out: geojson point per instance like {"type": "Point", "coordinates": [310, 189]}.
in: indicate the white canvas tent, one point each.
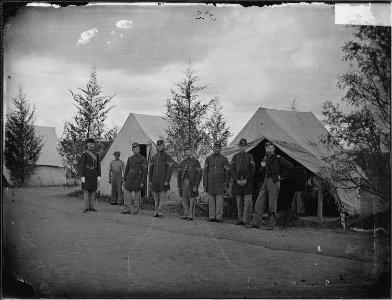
{"type": "Point", "coordinates": [50, 170]}
{"type": "Point", "coordinates": [145, 130]}
{"type": "Point", "coordinates": [297, 134]}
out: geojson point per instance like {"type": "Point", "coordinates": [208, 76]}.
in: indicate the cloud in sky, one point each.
{"type": "Point", "coordinates": [124, 24]}
{"type": "Point", "coordinates": [86, 36]}
{"type": "Point", "coordinates": [249, 57]}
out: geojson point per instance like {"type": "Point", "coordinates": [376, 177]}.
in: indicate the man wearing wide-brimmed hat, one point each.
{"type": "Point", "coordinates": [90, 173]}
{"type": "Point", "coordinates": [216, 176]}
{"type": "Point", "coordinates": [116, 170]}
{"type": "Point", "coordinates": [135, 177]}
{"type": "Point", "coordinates": [188, 179]}
{"type": "Point", "coordinates": [276, 168]}
{"type": "Point", "coordinates": [242, 169]}
{"type": "Point", "coordinates": [161, 169]}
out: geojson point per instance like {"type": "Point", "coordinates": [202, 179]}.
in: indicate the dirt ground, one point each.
{"type": "Point", "coordinates": [63, 253]}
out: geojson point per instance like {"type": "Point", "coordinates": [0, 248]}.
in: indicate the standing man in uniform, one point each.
{"type": "Point", "coordinates": [216, 181]}
{"type": "Point", "coordinates": [276, 168]}
{"type": "Point", "coordinates": [90, 173]}
{"type": "Point", "coordinates": [188, 178]}
{"type": "Point", "coordinates": [116, 170]}
{"type": "Point", "coordinates": [161, 169]}
{"type": "Point", "coordinates": [242, 169]}
{"type": "Point", "coordinates": [135, 176]}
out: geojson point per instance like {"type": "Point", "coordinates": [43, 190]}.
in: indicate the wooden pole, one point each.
{"type": "Point", "coordinates": [320, 200]}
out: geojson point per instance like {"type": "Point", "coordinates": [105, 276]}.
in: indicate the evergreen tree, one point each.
{"type": "Point", "coordinates": [186, 116]}
{"type": "Point", "coordinates": [22, 145]}
{"type": "Point", "coordinates": [216, 125]}
{"type": "Point", "coordinates": [92, 111]}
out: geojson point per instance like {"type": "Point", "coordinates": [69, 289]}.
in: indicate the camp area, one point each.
{"type": "Point", "coordinates": [50, 170]}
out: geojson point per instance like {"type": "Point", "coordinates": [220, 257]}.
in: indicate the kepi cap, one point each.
{"type": "Point", "coordinates": [90, 140]}
{"type": "Point", "coordinates": [160, 142]}
{"type": "Point", "coordinates": [135, 145]}
{"type": "Point", "coordinates": [116, 153]}
{"type": "Point", "coordinates": [268, 143]}
{"type": "Point", "coordinates": [243, 142]}
{"type": "Point", "coordinates": [217, 144]}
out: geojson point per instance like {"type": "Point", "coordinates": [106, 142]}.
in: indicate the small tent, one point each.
{"type": "Point", "coordinates": [50, 170]}
{"type": "Point", "coordinates": [145, 130]}
{"type": "Point", "coordinates": [297, 135]}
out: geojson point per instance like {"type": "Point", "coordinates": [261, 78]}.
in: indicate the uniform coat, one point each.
{"type": "Point", "coordinates": [161, 169]}
{"type": "Point", "coordinates": [192, 167]}
{"type": "Point", "coordinates": [242, 167]}
{"type": "Point", "coordinates": [216, 174]}
{"type": "Point", "coordinates": [135, 172]}
{"type": "Point", "coordinates": [276, 167]}
{"type": "Point", "coordinates": [90, 169]}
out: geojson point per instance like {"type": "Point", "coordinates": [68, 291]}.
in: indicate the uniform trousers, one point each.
{"type": "Point", "coordinates": [89, 199]}
{"type": "Point", "coordinates": [268, 189]}
{"type": "Point", "coordinates": [215, 206]}
{"type": "Point", "coordinates": [187, 201]}
{"type": "Point", "coordinates": [116, 180]}
{"type": "Point", "coordinates": [159, 199]}
{"type": "Point", "coordinates": [132, 201]}
{"type": "Point", "coordinates": [244, 208]}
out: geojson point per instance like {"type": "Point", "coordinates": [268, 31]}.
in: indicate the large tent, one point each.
{"type": "Point", "coordinates": [50, 170]}
{"type": "Point", "coordinates": [145, 130]}
{"type": "Point", "coordinates": [298, 135]}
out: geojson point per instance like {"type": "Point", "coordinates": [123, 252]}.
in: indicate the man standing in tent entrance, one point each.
{"type": "Point", "coordinates": [116, 170]}
{"type": "Point", "coordinates": [216, 181]}
{"type": "Point", "coordinates": [161, 168]}
{"type": "Point", "coordinates": [135, 176]}
{"type": "Point", "coordinates": [242, 169]}
{"type": "Point", "coordinates": [90, 173]}
{"type": "Point", "coordinates": [188, 178]}
{"type": "Point", "coordinates": [276, 167]}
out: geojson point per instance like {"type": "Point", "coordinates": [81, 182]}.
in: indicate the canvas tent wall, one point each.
{"type": "Point", "coordinates": [297, 134]}
{"type": "Point", "coordinates": [50, 170]}
{"type": "Point", "coordinates": [145, 130]}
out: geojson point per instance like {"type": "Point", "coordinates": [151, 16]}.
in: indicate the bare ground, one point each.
{"type": "Point", "coordinates": [63, 253]}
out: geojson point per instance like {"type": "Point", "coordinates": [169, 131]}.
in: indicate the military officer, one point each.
{"type": "Point", "coordinates": [135, 177]}
{"type": "Point", "coordinates": [276, 168]}
{"type": "Point", "coordinates": [161, 169]}
{"type": "Point", "coordinates": [242, 169]}
{"type": "Point", "coordinates": [116, 170]}
{"type": "Point", "coordinates": [90, 173]}
{"type": "Point", "coordinates": [188, 178]}
{"type": "Point", "coordinates": [216, 176]}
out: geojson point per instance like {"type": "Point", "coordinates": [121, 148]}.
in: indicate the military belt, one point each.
{"type": "Point", "coordinates": [90, 167]}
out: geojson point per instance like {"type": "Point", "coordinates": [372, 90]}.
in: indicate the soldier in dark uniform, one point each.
{"type": "Point", "coordinates": [90, 173]}
{"type": "Point", "coordinates": [276, 168]}
{"type": "Point", "coordinates": [135, 176]}
{"type": "Point", "coordinates": [161, 169]}
{"type": "Point", "coordinates": [188, 178]}
{"type": "Point", "coordinates": [216, 176]}
{"type": "Point", "coordinates": [242, 169]}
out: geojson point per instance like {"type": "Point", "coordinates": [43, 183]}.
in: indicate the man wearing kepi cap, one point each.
{"type": "Point", "coordinates": [216, 181]}
{"type": "Point", "coordinates": [188, 178]}
{"type": "Point", "coordinates": [161, 169]}
{"type": "Point", "coordinates": [90, 173]}
{"type": "Point", "coordinates": [135, 176]}
{"type": "Point", "coordinates": [116, 170]}
{"type": "Point", "coordinates": [242, 169]}
{"type": "Point", "coordinates": [276, 167]}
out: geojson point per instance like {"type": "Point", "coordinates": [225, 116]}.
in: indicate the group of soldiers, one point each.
{"type": "Point", "coordinates": [216, 176]}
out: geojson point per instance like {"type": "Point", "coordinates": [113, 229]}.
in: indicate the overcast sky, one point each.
{"type": "Point", "coordinates": [249, 57]}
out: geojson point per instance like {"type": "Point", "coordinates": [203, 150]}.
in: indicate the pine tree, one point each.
{"type": "Point", "coordinates": [216, 125]}
{"type": "Point", "coordinates": [92, 111]}
{"type": "Point", "coordinates": [22, 145]}
{"type": "Point", "coordinates": [186, 116]}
